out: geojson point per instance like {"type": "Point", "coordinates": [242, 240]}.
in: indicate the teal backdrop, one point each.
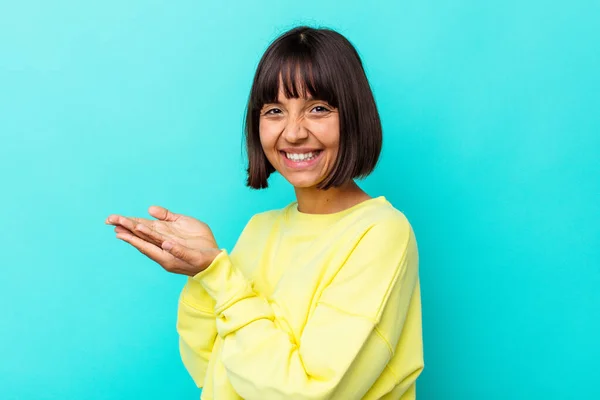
{"type": "Point", "coordinates": [492, 144]}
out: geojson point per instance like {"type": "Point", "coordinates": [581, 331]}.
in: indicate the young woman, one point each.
{"type": "Point", "coordinates": [319, 299]}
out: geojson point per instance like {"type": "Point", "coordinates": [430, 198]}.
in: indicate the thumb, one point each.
{"type": "Point", "coordinates": [163, 214]}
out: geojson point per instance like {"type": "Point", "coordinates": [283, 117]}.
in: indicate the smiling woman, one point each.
{"type": "Point", "coordinates": [319, 299]}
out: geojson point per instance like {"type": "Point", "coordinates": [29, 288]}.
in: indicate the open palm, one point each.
{"type": "Point", "coordinates": [179, 243]}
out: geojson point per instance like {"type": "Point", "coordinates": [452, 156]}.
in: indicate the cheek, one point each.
{"type": "Point", "coordinates": [268, 142]}
{"type": "Point", "coordinates": [268, 135]}
{"type": "Point", "coordinates": [327, 132]}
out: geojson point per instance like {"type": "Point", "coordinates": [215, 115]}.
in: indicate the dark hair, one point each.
{"type": "Point", "coordinates": [323, 63]}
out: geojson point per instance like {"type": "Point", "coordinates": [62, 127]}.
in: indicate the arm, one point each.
{"type": "Point", "coordinates": [197, 329]}
{"type": "Point", "coordinates": [263, 362]}
{"type": "Point", "coordinates": [196, 325]}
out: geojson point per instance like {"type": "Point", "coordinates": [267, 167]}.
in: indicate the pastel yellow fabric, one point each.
{"type": "Point", "coordinates": [308, 307]}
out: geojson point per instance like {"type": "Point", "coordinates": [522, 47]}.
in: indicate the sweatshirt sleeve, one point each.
{"type": "Point", "coordinates": [196, 326]}
{"type": "Point", "coordinates": [264, 362]}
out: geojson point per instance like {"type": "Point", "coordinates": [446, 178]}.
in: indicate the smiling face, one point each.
{"type": "Point", "coordinates": [300, 138]}
{"type": "Point", "coordinates": [310, 97]}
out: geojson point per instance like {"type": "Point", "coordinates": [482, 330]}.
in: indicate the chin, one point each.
{"type": "Point", "coordinates": [303, 183]}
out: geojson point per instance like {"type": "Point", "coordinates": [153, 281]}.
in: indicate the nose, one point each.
{"type": "Point", "coordinates": [294, 131]}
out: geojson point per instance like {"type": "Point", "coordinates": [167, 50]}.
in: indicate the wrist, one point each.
{"type": "Point", "coordinates": [211, 254]}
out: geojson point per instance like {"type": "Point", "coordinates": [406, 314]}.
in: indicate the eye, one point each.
{"type": "Point", "coordinates": [273, 111]}
{"type": "Point", "coordinates": [320, 109]}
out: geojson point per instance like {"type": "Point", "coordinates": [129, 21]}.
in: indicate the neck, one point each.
{"type": "Point", "coordinates": [315, 201]}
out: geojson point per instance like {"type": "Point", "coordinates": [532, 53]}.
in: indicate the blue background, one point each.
{"type": "Point", "coordinates": [492, 144]}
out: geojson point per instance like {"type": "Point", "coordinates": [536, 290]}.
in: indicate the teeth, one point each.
{"type": "Point", "coordinates": [301, 157]}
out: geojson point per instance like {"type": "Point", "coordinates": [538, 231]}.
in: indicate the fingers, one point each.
{"type": "Point", "coordinates": [137, 226]}
{"type": "Point", "coordinates": [200, 258]}
{"type": "Point", "coordinates": [153, 252]}
{"type": "Point", "coordinates": [120, 229]}
{"type": "Point", "coordinates": [142, 232]}
{"type": "Point", "coordinates": [183, 253]}
{"type": "Point", "coordinates": [166, 260]}
{"type": "Point", "coordinates": [163, 214]}
{"type": "Point", "coordinates": [114, 219]}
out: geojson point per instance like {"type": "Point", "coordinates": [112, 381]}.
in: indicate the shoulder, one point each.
{"type": "Point", "coordinates": [385, 222]}
{"type": "Point", "coordinates": [266, 219]}
{"type": "Point", "coordinates": [269, 216]}
{"type": "Point", "coordinates": [384, 239]}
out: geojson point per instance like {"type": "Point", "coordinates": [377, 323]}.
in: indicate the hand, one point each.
{"type": "Point", "coordinates": [180, 244]}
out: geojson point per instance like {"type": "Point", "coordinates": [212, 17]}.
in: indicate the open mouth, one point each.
{"type": "Point", "coordinates": [301, 160]}
{"type": "Point", "coordinates": [302, 157]}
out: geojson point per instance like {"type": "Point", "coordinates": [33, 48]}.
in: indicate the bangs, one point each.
{"type": "Point", "coordinates": [302, 73]}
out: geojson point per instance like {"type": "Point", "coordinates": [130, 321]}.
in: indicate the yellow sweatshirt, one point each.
{"type": "Point", "coordinates": [308, 306]}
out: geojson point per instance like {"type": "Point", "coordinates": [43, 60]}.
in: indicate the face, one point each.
{"type": "Point", "coordinates": [300, 138]}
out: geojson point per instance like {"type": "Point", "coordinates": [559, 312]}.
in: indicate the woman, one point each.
{"type": "Point", "coordinates": [319, 299]}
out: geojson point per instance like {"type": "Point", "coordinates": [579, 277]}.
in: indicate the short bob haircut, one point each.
{"type": "Point", "coordinates": [323, 64]}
